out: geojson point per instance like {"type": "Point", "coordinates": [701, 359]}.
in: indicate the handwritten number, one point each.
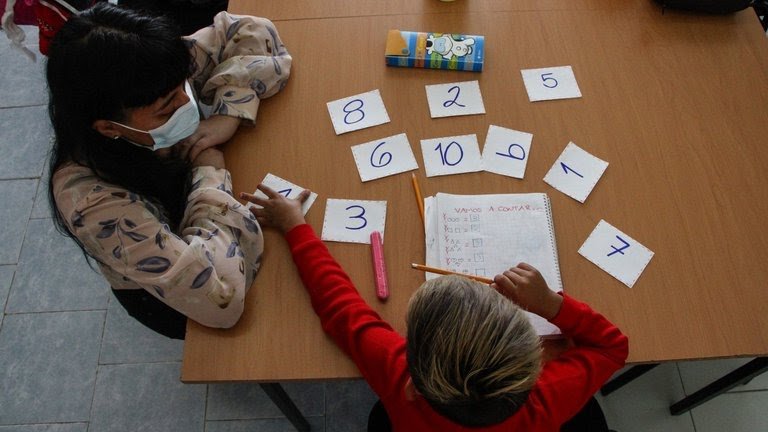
{"type": "Point", "coordinates": [349, 111]}
{"type": "Point", "coordinates": [509, 152]}
{"type": "Point", "coordinates": [620, 249]}
{"type": "Point", "coordinates": [566, 168]}
{"type": "Point", "coordinates": [550, 79]}
{"type": "Point", "coordinates": [444, 153]}
{"type": "Point", "coordinates": [452, 102]}
{"type": "Point", "coordinates": [285, 192]}
{"type": "Point", "coordinates": [382, 157]}
{"type": "Point", "coordinates": [357, 216]}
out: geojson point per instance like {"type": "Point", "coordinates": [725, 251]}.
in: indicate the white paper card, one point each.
{"type": "Point", "coordinates": [455, 99]}
{"type": "Point", "coordinates": [575, 172]}
{"type": "Point", "coordinates": [384, 157]}
{"type": "Point", "coordinates": [358, 112]}
{"type": "Point", "coordinates": [353, 221]}
{"type": "Point", "coordinates": [551, 83]}
{"type": "Point", "coordinates": [506, 151]}
{"type": "Point", "coordinates": [451, 155]}
{"type": "Point", "coordinates": [618, 254]}
{"type": "Point", "coordinates": [285, 188]}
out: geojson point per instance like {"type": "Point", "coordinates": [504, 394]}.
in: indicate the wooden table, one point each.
{"type": "Point", "coordinates": [676, 103]}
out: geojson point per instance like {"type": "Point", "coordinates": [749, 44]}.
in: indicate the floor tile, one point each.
{"type": "Point", "coordinates": [6, 277]}
{"type": "Point", "coordinates": [48, 366]}
{"type": "Point", "coordinates": [53, 275]}
{"type": "Point", "coordinates": [146, 397]}
{"type": "Point", "coordinates": [266, 425]}
{"type": "Point", "coordinates": [697, 374]}
{"type": "Point", "coordinates": [128, 341]}
{"type": "Point", "coordinates": [347, 405]}
{"type": "Point", "coordinates": [51, 427]}
{"type": "Point", "coordinates": [22, 81]}
{"type": "Point", "coordinates": [25, 138]}
{"type": "Point", "coordinates": [248, 400]}
{"type": "Point", "coordinates": [643, 404]}
{"type": "Point", "coordinates": [733, 412]}
{"type": "Point", "coordinates": [41, 209]}
{"type": "Point", "coordinates": [16, 197]}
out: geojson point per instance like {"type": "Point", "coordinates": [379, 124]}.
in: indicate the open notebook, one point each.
{"type": "Point", "coordinates": [487, 234]}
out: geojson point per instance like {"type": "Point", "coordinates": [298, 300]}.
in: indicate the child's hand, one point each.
{"type": "Point", "coordinates": [277, 211]}
{"type": "Point", "coordinates": [525, 286]}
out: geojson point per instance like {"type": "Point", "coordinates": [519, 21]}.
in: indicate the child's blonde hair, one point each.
{"type": "Point", "coordinates": [472, 353]}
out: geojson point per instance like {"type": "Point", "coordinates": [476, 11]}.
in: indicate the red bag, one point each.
{"type": "Point", "coordinates": [49, 15]}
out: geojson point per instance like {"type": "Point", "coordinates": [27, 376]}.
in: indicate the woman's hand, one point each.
{"type": "Point", "coordinates": [525, 286]}
{"type": "Point", "coordinates": [212, 131]}
{"type": "Point", "coordinates": [277, 211]}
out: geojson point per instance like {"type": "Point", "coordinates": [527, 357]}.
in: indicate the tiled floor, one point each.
{"type": "Point", "coordinates": [71, 360]}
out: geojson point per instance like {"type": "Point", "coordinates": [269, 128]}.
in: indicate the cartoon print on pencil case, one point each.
{"type": "Point", "coordinates": [448, 46]}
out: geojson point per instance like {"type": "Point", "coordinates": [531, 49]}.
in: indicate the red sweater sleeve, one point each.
{"type": "Point", "coordinates": [568, 381]}
{"type": "Point", "coordinates": [356, 328]}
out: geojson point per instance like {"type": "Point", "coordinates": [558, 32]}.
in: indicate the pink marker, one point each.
{"type": "Point", "coordinates": [379, 268]}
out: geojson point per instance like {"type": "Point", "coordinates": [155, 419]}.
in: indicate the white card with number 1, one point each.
{"type": "Point", "coordinates": [576, 172]}
{"type": "Point", "coordinates": [618, 254]}
{"type": "Point", "coordinates": [285, 188]}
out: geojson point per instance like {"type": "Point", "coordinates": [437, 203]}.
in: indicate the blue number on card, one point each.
{"type": "Point", "coordinates": [382, 157]}
{"type": "Point", "coordinates": [285, 192]}
{"type": "Point", "coordinates": [619, 249]}
{"type": "Point", "coordinates": [566, 168]}
{"type": "Point", "coordinates": [444, 153]}
{"type": "Point", "coordinates": [452, 102]}
{"type": "Point", "coordinates": [359, 110]}
{"type": "Point", "coordinates": [509, 152]}
{"type": "Point", "coordinates": [549, 78]}
{"type": "Point", "coordinates": [357, 216]}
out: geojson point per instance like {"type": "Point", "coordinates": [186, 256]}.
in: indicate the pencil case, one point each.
{"type": "Point", "coordinates": [435, 50]}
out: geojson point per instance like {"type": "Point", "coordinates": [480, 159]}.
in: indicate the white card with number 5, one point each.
{"type": "Point", "coordinates": [353, 221]}
{"type": "Point", "coordinates": [551, 83]}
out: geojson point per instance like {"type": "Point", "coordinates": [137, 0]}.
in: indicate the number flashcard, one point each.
{"type": "Point", "coordinates": [575, 172]}
{"type": "Point", "coordinates": [451, 155]}
{"type": "Point", "coordinates": [506, 151]}
{"type": "Point", "coordinates": [353, 221]}
{"type": "Point", "coordinates": [617, 253]}
{"type": "Point", "coordinates": [455, 99]}
{"type": "Point", "coordinates": [551, 83]}
{"type": "Point", "coordinates": [384, 157]}
{"type": "Point", "coordinates": [358, 112]}
{"type": "Point", "coordinates": [285, 188]}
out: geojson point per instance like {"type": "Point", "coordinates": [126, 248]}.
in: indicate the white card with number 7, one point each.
{"type": "Point", "coordinates": [618, 254]}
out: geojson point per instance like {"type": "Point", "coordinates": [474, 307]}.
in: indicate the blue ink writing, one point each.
{"type": "Point", "coordinates": [566, 168]}
{"type": "Point", "coordinates": [552, 81]}
{"type": "Point", "coordinates": [285, 192]}
{"type": "Point", "coordinates": [452, 102]}
{"type": "Point", "coordinates": [444, 153]}
{"type": "Point", "coordinates": [382, 157]}
{"type": "Point", "coordinates": [620, 249]}
{"type": "Point", "coordinates": [509, 152]}
{"type": "Point", "coordinates": [349, 110]}
{"type": "Point", "coordinates": [364, 221]}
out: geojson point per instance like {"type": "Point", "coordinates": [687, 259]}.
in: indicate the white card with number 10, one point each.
{"type": "Point", "coordinates": [551, 83]}
{"type": "Point", "coordinates": [451, 155]}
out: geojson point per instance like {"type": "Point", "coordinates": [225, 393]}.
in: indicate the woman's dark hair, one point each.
{"type": "Point", "coordinates": [101, 63]}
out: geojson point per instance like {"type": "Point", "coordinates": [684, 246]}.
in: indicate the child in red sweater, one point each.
{"type": "Point", "coordinates": [471, 358]}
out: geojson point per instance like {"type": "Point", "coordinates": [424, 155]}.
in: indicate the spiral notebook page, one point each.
{"type": "Point", "coordinates": [487, 234]}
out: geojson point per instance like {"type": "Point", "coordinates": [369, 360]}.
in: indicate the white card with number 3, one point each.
{"type": "Point", "coordinates": [353, 221]}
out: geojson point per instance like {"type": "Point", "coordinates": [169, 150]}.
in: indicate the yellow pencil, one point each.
{"type": "Point", "coordinates": [419, 200]}
{"type": "Point", "coordinates": [448, 272]}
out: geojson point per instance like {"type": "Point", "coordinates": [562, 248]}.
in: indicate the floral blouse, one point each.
{"type": "Point", "coordinates": [206, 271]}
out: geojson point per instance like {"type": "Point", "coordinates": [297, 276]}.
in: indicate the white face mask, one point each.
{"type": "Point", "coordinates": [183, 123]}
